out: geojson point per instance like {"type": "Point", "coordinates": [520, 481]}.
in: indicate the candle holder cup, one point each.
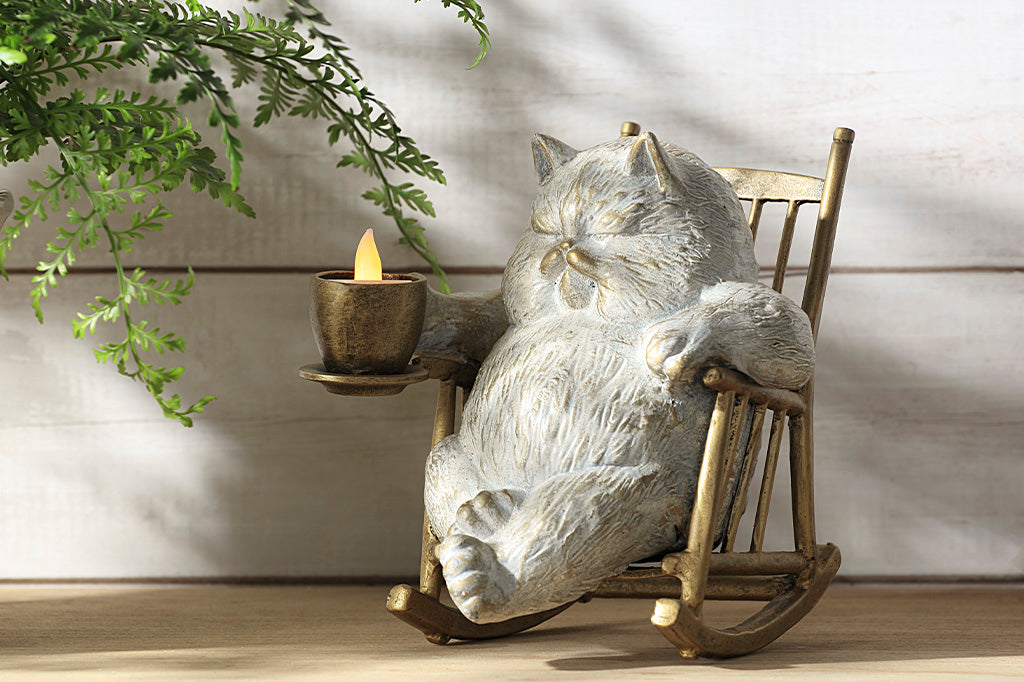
{"type": "Point", "coordinates": [367, 328]}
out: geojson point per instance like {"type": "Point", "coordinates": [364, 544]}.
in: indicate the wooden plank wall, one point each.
{"type": "Point", "coordinates": [919, 402]}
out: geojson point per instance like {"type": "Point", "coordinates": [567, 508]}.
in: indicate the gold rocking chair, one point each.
{"type": "Point", "coordinates": [791, 582]}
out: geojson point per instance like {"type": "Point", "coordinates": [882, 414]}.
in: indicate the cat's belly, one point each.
{"type": "Point", "coordinates": [564, 396]}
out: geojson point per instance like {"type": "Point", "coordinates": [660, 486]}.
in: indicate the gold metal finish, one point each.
{"type": "Point", "coordinates": [739, 500]}
{"type": "Point", "coordinates": [785, 244]}
{"type": "Point", "coordinates": [719, 588]}
{"type": "Point", "coordinates": [696, 558]}
{"type": "Point", "coordinates": [771, 464]}
{"type": "Point", "coordinates": [801, 467]}
{"type": "Point", "coordinates": [367, 327]}
{"type": "Point", "coordinates": [741, 563]}
{"type": "Point", "coordinates": [725, 379]}
{"type": "Point", "coordinates": [550, 259]}
{"type": "Point", "coordinates": [754, 217]}
{"type": "Point", "coordinates": [761, 185]}
{"type": "Point", "coordinates": [825, 232]}
{"type": "Point", "coordinates": [791, 582]}
{"type": "Point", "coordinates": [365, 385]}
{"type": "Point", "coordinates": [583, 263]}
{"type": "Point", "coordinates": [732, 467]}
{"type": "Point", "coordinates": [442, 623]}
{"type": "Point", "coordinates": [444, 416]}
{"type": "Point", "coordinates": [684, 628]}
{"type": "Point", "coordinates": [629, 129]}
{"type": "Point", "coordinates": [431, 578]}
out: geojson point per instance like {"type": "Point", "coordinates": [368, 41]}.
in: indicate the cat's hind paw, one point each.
{"type": "Point", "coordinates": [478, 583]}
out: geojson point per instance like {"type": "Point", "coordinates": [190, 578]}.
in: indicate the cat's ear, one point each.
{"type": "Point", "coordinates": [548, 155]}
{"type": "Point", "coordinates": [648, 158]}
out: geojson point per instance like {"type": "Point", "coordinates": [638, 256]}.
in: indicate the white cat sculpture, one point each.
{"type": "Point", "coordinates": [582, 438]}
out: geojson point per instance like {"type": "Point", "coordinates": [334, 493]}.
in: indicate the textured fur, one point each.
{"type": "Point", "coordinates": [581, 441]}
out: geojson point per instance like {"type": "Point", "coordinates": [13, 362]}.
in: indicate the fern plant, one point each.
{"type": "Point", "coordinates": [119, 151]}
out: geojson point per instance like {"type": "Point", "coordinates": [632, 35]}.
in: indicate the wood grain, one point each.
{"type": "Point", "coordinates": [330, 633]}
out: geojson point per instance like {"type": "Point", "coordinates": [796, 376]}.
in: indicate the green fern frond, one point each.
{"type": "Point", "coordinates": [123, 149]}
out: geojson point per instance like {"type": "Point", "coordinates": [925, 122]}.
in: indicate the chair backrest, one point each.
{"type": "Point", "coordinates": [762, 186]}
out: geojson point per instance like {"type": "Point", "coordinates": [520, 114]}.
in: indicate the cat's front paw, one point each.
{"type": "Point", "coordinates": [478, 583]}
{"type": "Point", "coordinates": [677, 351]}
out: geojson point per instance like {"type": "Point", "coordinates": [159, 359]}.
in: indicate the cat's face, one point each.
{"type": "Point", "coordinates": [625, 231]}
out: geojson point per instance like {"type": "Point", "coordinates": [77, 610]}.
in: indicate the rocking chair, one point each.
{"type": "Point", "coordinates": [791, 582]}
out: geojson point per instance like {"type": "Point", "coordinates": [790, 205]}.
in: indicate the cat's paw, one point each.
{"type": "Point", "coordinates": [478, 583]}
{"type": "Point", "coordinates": [486, 513]}
{"type": "Point", "coordinates": [677, 351]}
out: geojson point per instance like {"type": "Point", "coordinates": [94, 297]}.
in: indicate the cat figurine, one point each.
{"type": "Point", "coordinates": [581, 441]}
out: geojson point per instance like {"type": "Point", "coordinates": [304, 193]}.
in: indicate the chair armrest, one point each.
{"type": "Point", "coordinates": [449, 365]}
{"type": "Point", "coordinates": [724, 379]}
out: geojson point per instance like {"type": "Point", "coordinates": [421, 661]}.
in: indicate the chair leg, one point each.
{"type": "Point", "coordinates": [685, 628]}
{"type": "Point", "coordinates": [692, 564]}
{"type": "Point", "coordinates": [801, 465]}
{"type": "Point", "coordinates": [431, 579]}
{"type": "Point", "coordinates": [681, 620]}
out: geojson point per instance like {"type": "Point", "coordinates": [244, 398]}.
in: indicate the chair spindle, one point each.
{"type": "Point", "coordinates": [785, 244]}
{"type": "Point", "coordinates": [754, 217]}
{"type": "Point", "coordinates": [739, 502]}
{"type": "Point", "coordinates": [771, 463]}
{"type": "Point", "coordinates": [732, 462]}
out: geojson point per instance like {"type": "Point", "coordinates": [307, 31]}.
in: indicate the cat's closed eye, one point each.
{"type": "Point", "coordinates": [609, 223]}
{"type": "Point", "coordinates": [541, 226]}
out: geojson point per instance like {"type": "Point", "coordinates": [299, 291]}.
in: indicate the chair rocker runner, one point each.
{"type": "Point", "coordinates": [790, 582]}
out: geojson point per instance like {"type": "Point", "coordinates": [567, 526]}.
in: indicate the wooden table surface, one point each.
{"type": "Point", "coordinates": [343, 633]}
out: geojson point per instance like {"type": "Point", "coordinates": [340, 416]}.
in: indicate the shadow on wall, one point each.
{"type": "Point", "coordinates": [286, 479]}
{"type": "Point", "coordinates": [892, 449]}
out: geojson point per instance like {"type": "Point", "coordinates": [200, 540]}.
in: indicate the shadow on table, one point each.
{"type": "Point", "coordinates": [291, 629]}
{"type": "Point", "coordinates": [895, 624]}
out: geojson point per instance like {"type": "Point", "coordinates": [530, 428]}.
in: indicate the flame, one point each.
{"type": "Point", "coordinates": [367, 259]}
